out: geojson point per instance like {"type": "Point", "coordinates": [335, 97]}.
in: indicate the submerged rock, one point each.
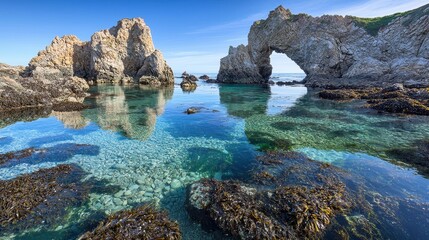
{"type": "Point", "coordinates": [335, 50]}
{"type": "Point", "coordinates": [139, 223]}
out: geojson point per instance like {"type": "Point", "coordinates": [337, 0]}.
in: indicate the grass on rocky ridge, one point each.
{"type": "Point", "coordinates": [373, 25]}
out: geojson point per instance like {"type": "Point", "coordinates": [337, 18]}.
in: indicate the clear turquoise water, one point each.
{"type": "Point", "coordinates": [141, 140]}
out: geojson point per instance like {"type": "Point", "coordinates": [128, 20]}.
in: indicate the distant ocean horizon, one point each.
{"type": "Point", "coordinates": [285, 77]}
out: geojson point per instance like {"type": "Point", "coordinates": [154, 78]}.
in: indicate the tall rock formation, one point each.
{"type": "Point", "coordinates": [56, 76]}
{"type": "Point", "coordinates": [335, 50]}
{"type": "Point", "coordinates": [122, 53]}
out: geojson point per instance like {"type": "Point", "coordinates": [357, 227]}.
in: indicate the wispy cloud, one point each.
{"type": "Point", "coordinates": [376, 8]}
{"type": "Point", "coordinates": [242, 23]}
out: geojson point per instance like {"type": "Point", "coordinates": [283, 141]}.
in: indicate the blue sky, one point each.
{"type": "Point", "coordinates": [193, 35]}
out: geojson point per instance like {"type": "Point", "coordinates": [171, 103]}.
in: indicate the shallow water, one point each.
{"type": "Point", "coordinates": [140, 140]}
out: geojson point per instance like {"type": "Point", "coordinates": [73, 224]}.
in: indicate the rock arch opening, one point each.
{"type": "Point", "coordinates": [281, 63]}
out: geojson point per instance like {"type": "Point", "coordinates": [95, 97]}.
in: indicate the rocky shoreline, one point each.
{"type": "Point", "coordinates": [393, 99]}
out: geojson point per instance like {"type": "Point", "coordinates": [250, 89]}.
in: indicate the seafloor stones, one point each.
{"type": "Point", "coordinates": [139, 223]}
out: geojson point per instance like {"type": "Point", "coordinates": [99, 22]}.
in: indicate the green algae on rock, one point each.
{"type": "Point", "coordinates": [139, 223]}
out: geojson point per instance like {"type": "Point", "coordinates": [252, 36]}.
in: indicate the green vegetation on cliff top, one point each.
{"type": "Point", "coordinates": [373, 25]}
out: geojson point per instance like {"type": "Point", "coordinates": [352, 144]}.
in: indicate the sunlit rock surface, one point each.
{"type": "Point", "coordinates": [335, 50]}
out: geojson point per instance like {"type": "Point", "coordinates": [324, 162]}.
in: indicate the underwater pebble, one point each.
{"type": "Point", "coordinates": [117, 201]}
{"type": "Point", "coordinates": [176, 184]}
{"type": "Point", "coordinates": [119, 194]}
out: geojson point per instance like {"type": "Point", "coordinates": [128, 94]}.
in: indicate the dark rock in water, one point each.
{"type": "Point", "coordinates": [188, 84]}
{"type": "Point", "coordinates": [340, 94]}
{"type": "Point", "coordinates": [192, 110]}
{"type": "Point", "coordinates": [281, 83]}
{"type": "Point", "coordinates": [204, 77]}
{"type": "Point", "coordinates": [392, 99]}
{"type": "Point", "coordinates": [40, 198]}
{"type": "Point", "coordinates": [139, 223]}
{"type": "Point", "coordinates": [271, 82]}
{"type": "Point", "coordinates": [401, 105]}
{"type": "Point", "coordinates": [235, 208]}
{"type": "Point", "coordinates": [212, 81]}
{"type": "Point", "coordinates": [193, 78]}
{"type": "Point", "coordinates": [276, 206]}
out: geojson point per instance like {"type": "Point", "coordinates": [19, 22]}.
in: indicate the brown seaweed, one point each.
{"type": "Point", "coordinates": [139, 223]}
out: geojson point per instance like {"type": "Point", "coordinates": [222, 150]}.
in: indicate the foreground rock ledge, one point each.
{"type": "Point", "coordinates": [335, 50]}
{"type": "Point", "coordinates": [140, 223]}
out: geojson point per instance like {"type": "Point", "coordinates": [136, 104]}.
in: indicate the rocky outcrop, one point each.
{"type": "Point", "coordinates": [335, 50]}
{"type": "Point", "coordinates": [143, 222]}
{"type": "Point", "coordinates": [47, 87]}
{"type": "Point", "coordinates": [68, 54]}
{"type": "Point", "coordinates": [189, 83]}
{"type": "Point", "coordinates": [122, 53]}
{"type": "Point", "coordinates": [58, 74]}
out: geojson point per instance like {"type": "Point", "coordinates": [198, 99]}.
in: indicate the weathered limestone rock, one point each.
{"type": "Point", "coordinates": [68, 54]}
{"type": "Point", "coordinates": [47, 87]}
{"type": "Point", "coordinates": [335, 50]}
{"type": "Point", "coordinates": [122, 53]}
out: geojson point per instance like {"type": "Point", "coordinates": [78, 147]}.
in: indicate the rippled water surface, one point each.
{"type": "Point", "coordinates": [140, 140]}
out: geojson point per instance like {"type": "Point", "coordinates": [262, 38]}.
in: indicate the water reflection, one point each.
{"type": "Point", "coordinates": [130, 110]}
{"type": "Point", "coordinates": [73, 120]}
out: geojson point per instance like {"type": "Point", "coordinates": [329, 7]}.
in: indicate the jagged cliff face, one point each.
{"type": "Point", "coordinates": [122, 53]}
{"type": "Point", "coordinates": [333, 49]}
